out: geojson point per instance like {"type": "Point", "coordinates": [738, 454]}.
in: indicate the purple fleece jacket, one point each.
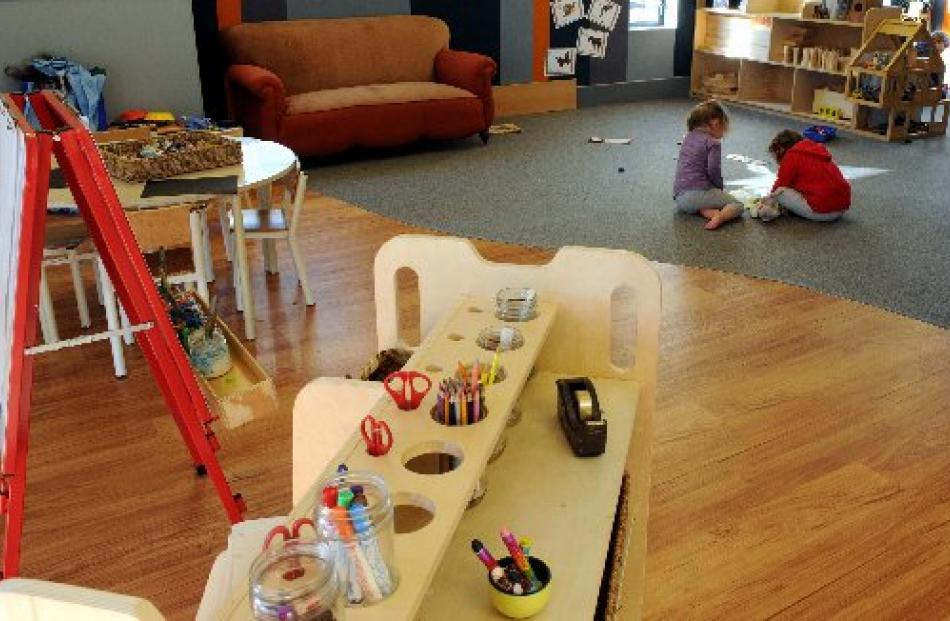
{"type": "Point", "coordinates": [700, 163]}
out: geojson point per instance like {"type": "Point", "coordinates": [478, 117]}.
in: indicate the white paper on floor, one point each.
{"type": "Point", "coordinates": [762, 176]}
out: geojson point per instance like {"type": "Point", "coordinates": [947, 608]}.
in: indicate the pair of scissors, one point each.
{"type": "Point", "coordinates": [377, 435]}
{"type": "Point", "coordinates": [287, 533]}
{"type": "Point", "coordinates": [403, 387]}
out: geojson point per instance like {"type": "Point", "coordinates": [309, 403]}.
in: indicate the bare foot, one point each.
{"type": "Point", "coordinates": [709, 213]}
{"type": "Point", "coordinates": [729, 212]}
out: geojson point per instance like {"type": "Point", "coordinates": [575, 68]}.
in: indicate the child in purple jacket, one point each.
{"type": "Point", "coordinates": [698, 187]}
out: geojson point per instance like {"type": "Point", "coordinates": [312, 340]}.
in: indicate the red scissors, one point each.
{"type": "Point", "coordinates": [377, 436]}
{"type": "Point", "coordinates": [287, 533]}
{"type": "Point", "coordinates": [402, 387]}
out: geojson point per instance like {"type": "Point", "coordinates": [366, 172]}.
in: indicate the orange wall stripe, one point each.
{"type": "Point", "coordinates": [229, 13]}
{"type": "Point", "coordinates": [542, 37]}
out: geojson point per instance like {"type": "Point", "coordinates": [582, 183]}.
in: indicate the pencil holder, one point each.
{"type": "Point", "coordinates": [450, 415]}
{"type": "Point", "coordinates": [355, 518]}
{"type": "Point", "coordinates": [295, 580]}
{"type": "Point", "coordinates": [522, 606]}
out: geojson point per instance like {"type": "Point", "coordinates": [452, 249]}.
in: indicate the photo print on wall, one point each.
{"type": "Point", "coordinates": [566, 12]}
{"type": "Point", "coordinates": [604, 14]}
{"type": "Point", "coordinates": [560, 62]}
{"type": "Point", "coordinates": [591, 42]}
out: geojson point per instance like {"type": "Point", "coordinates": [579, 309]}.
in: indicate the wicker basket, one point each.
{"type": "Point", "coordinates": [198, 151]}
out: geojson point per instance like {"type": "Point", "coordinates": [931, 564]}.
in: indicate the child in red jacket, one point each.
{"type": "Point", "coordinates": [809, 184]}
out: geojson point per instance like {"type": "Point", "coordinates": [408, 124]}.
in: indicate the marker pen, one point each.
{"type": "Point", "coordinates": [519, 558]}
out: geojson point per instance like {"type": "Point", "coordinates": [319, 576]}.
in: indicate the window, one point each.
{"type": "Point", "coordinates": [653, 13]}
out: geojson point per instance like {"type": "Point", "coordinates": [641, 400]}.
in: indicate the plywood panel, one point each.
{"type": "Point", "coordinates": [518, 99]}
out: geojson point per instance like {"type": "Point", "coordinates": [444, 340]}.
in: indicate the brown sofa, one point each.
{"type": "Point", "coordinates": [323, 86]}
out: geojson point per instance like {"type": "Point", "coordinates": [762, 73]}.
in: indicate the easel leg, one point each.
{"type": "Point", "coordinates": [112, 320]}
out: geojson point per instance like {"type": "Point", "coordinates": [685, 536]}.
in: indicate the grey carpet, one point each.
{"type": "Point", "coordinates": [548, 187]}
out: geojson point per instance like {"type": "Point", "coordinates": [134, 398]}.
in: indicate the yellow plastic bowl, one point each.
{"type": "Point", "coordinates": [522, 606]}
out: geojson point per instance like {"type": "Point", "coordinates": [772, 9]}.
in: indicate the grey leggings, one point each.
{"type": "Point", "coordinates": [793, 201]}
{"type": "Point", "coordinates": [692, 201]}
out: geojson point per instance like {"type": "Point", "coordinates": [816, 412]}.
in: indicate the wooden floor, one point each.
{"type": "Point", "coordinates": [802, 450]}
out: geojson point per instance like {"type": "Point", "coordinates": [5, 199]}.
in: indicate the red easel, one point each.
{"type": "Point", "coordinates": [79, 159]}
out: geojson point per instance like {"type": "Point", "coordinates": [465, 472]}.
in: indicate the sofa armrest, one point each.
{"type": "Point", "coordinates": [472, 72]}
{"type": "Point", "coordinates": [256, 100]}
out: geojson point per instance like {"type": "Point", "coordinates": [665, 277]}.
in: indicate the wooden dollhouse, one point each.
{"type": "Point", "coordinates": [894, 79]}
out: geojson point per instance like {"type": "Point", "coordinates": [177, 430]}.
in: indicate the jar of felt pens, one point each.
{"type": "Point", "coordinates": [519, 585]}
{"type": "Point", "coordinates": [460, 400]}
{"type": "Point", "coordinates": [355, 517]}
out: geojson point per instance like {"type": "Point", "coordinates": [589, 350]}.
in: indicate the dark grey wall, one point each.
{"type": "Point", "coordinates": [147, 47]}
{"type": "Point", "coordinates": [315, 9]}
{"type": "Point", "coordinates": [650, 53]}
{"type": "Point", "coordinates": [517, 41]}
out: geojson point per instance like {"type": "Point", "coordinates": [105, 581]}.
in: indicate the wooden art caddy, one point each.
{"type": "Point", "coordinates": [78, 157]}
{"type": "Point", "coordinates": [598, 316]}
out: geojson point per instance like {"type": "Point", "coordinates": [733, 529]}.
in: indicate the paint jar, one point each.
{"type": "Point", "coordinates": [210, 355]}
{"type": "Point", "coordinates": [296, 580]}
{"type": "Point", "coordinates": [355, 518]}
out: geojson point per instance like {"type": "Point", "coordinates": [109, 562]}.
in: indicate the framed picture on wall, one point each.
{"type": "Point", "coordinates": [592, 42]}
{"type": "Point", "coordinates": [604, 13]}
{"type": "Point", "coordinates": [561, 61]}
{"type": "Point", "coordinates": [566, 12]}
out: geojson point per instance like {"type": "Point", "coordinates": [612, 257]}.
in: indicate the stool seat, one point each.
{"type": "Point", "coordinates": [263, 221]}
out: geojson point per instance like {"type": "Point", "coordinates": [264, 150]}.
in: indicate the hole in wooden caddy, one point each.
{"type": "Point", "coordinates": [433, 368]}
{"type": "Point", "coordinates": [475, 309]}
{"type": "Point", "coordinates": [433, 457]}
{"type": "Point", "coordinates": [407, 306]}
{"type": "Point", "coordinates": [505, 338]}
{"type": "Point", "coordinates": [411, 512]}
{"type": "Point", "coordinates": [455, 337]}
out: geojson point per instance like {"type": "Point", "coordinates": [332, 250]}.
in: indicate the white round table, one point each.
{"type": "Point", "coordinates": [263, 163]}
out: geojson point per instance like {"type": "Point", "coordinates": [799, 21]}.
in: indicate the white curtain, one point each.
{"type": "Point", "coordinates": [12, 179]}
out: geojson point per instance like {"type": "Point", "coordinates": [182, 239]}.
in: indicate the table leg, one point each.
{"type": "Point", "coordinates": [47, 315]}
{"type": "Point", "coordinates": [206, 241]}
{"type": "Point", "coordinates": [198, 253]}
{"type": "Point", "coordinates": [79, 289]}
{"type": "Point", "coordinates": [244, 275]}
{"type": "Point", "coordinates": [112, 320]}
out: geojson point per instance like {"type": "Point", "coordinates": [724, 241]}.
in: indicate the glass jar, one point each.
{"type": "Point", "coordinates": [296, 581]}
{"type": "Point", "coordinates": [355, 518]}
{"type": "Point", "coordinates": [210, 355]}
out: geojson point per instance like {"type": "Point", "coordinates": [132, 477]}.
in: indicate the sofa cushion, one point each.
{"type": "Point", "coordinates": [318, 54]}
{"type": "Point", "coordinates": [372, 95]}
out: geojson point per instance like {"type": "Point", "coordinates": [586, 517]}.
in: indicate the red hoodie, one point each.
{"type": "Point", "coordinates": [807, 168]}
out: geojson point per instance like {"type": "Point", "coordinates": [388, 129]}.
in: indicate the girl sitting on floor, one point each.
{"type": "Point", "coordinates": [698, 187]}
{"type": "Point", "coordinates": [809, 183]}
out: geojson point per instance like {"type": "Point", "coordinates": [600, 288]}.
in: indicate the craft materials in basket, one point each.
{"type": "Point", "coordinates": [355, 518]}
{"type": "Point", "coordinates": [461, 399]}
{"type": "Point", "coordinates": [137, 161]}
{"type": "Point", "coordinates": [295, 578]}
{"type": "Point", "coordinates": [519, 584]}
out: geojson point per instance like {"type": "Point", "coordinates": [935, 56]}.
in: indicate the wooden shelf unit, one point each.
{"type": "Point", "coordinates": [749, 44]}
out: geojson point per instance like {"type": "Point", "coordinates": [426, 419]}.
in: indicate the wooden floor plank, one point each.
{"type": "Point", "coordinates": [802, 449]}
